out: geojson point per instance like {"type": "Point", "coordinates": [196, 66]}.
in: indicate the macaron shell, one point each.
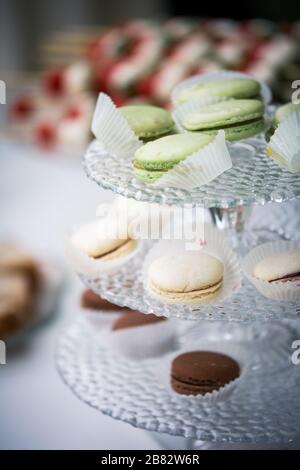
{"type": "Point", "coordinates": [236, 88]}
{"type": "Point", "coordinates": [148, 121]}
{"type": "Point", "coordinates": [185, 272]}
{"type": "Point", "coordinates": [278, 266]}
{"type": "Point", "coordinates": [205, 370]}
{"type": "Point", "coordinates": [163, 153]}
{"type": "Point", "coordinates": [224, 114]}
{"type": "Point", "coordinates": [244, 130]}
{"type": "Point", "coordinates": [92, 240]}
{"type": "Point", "coordinates": [284, 110]}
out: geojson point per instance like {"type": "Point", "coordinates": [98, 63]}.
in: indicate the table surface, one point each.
{"type": "Point", "coordinates": [40, 196]}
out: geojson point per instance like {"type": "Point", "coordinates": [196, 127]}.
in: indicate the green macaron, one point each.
{"type": "Point", "coordinates": [283, 111]}
{"type": "Point", "coordinates": [240, 119]}
{"type": "Point", "coordinates": [238, 88]}
{"type": "Point", "coordinates": [148, 122]}
{"type": "Point", "coordinates": [155, 158]}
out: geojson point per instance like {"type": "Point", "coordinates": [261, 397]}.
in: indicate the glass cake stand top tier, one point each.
{"type": "Point", "coordinates": [253, 179]}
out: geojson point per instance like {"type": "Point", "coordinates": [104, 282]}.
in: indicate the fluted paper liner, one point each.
{"type": "Point", "coordinates": [112, 129]}
{"type": "Point", "coordinates": [287, 291]}
{"type": "Point", "coordinates": [182, 111]}
{"type": "Point", "coordinates": [84, 264]}
{"type": "Point", "coordinates": [140, 342]}
{"type": "Point", "coordinates": [200, 168]}
{"type": "Point", "coordinates": [284, 145]}
{"type": "Point", "coordinates": [162, 370]}
{"type": "Point", "coordinates": [265, 90]}
{"type": "Point", "coordinates": [214, 243]}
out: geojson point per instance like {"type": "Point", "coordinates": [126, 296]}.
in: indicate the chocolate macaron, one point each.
{"type": "Point", "coordinates": [92, 301]}
{"type": "Point", "coordinates": [134, 319]}
{"type": "Point", "coordinates": [201, 372]}
{"type": "Point", "coordinates": [140, 336]}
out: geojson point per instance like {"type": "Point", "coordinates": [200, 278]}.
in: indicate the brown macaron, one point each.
{"type": "Point", "coordinates": [133, 319]}
{"type": "Point", "coordinates": [201, 372]}
{"type": "Point", "coordinates": [93, 301]}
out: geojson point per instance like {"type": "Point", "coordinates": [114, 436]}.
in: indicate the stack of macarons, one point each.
{"type": "Point", "coordinates": [240, 111]}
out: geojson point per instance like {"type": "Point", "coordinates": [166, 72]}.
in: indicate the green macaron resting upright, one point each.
{"type": "Point", "coordinates": [154, 159]}
{"type": "Point", "coordinates": [281, 113]}
{"type": "Point", "coordinates": [237, 88]}
{"type": "Point", "coordinates": [148, 122]}
{"type": "Point", "coordinates": [239, 119]}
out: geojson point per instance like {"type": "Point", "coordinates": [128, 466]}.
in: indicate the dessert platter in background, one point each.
{"type": "Point", "coordinates": [141, 61]}
{"type": "Point", "coordinates": [231, 378]}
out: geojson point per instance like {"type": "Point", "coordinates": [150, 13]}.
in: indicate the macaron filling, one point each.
{"type": "Point", "coordinates": [126, 247]}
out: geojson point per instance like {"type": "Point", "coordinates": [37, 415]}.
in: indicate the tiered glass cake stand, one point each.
{"type": "Point", "coordinates": [265, 406]}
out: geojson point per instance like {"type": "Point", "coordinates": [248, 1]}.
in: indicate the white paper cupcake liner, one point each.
{"type": "Point", "coordinates": [200, 168]}
{"type": "Point", "coordinates": [265, 90]}
{"type": "Point", "coordinates": [284, 144]}
{"type": "Point", "coordinates": [182, 111]}
{"type": "Point", "coordinates": [141, 342]}
{"type": "Point", "coordinates": [93, 268]}
{"type": "Point", "coordinates": [216, 244]}
{"type": "Point", "coordinates": [162, 371]}
{"type": "Point", "coordinates": [288, 291]}
{"type": "Point", "coordinates": [112, 129]}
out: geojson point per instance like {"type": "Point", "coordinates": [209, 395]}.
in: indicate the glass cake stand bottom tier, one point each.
{"type": "Point", "coordinates": [264, 407]}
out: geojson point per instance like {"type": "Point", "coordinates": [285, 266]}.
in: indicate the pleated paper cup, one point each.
{"type": "Point", "coordinates": [284, 145]}
{"type": "Point", "coordinates": [200, 168]}
{"type": "Point", "coordinates": [141, 342]}
{"type": "Point", "coordinates": [93, 268]}
{"type": "Point", "coordinates": [182, 111]}
{"type": "Point", "coordinates": [216, 244]}
{"type": "Point", "coordinates": [162, 371]}
{"type": "Point", "coordinates": [265, 90]}
{"type": "Point", "coordinates": [112, 129]}
{"type": "Point", "coordinates": [287, 291]}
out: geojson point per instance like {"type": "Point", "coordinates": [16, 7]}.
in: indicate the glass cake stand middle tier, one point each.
{"type": "Point", "coordinates": [126, 288]}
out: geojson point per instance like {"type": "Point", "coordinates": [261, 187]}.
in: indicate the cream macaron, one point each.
{"type": "Point", "coordinates": [279, 267]}
{"type": "Point", "coordinates": [96, 241]}
{"type": "Point", "coordinates": [185, 277]}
